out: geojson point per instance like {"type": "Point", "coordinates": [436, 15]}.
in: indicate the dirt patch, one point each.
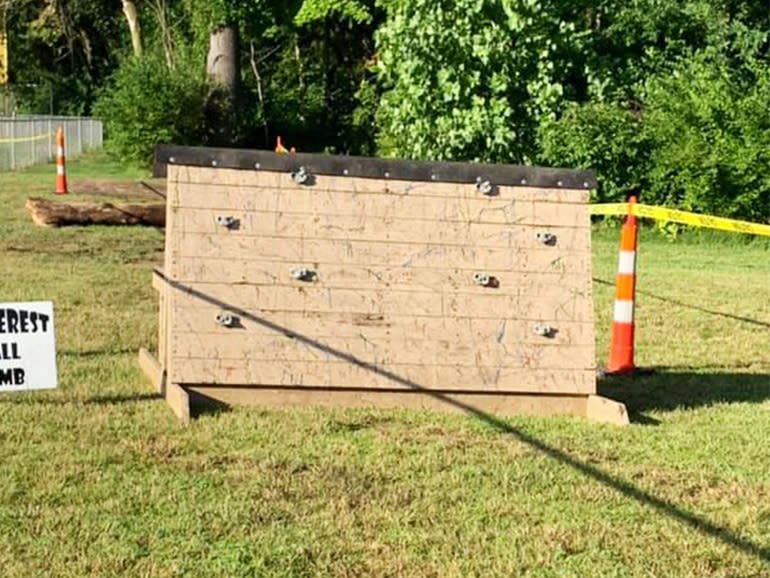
{"type": "Point", "coordinates": [145, 191]}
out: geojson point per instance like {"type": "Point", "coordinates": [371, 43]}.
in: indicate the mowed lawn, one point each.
{"type": "Point", "coordinates": [98, 478]}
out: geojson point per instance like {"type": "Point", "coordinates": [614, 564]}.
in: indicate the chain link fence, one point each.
{"type": "Point", "coordinates": [27, 140]}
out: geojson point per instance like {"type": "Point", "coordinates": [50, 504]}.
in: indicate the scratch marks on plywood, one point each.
{"type": "Point", "coordinates": [393, 286]}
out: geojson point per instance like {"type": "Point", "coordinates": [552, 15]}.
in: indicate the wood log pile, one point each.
{"type": "Point", "coordinates": [52, 214]}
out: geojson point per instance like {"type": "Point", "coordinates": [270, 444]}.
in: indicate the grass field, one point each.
{"type": "Point", "coordinates": [98, 478]}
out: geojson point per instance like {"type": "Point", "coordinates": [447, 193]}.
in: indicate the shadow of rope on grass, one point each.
{"type": "Point", "coordinates": [626, 488]}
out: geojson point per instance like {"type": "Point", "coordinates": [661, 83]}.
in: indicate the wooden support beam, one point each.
{"type": "Point", "coordinates": [605, 410]}
{"type": "Point", "coordinates": [179, 401]}
{"type": "Point", "coordinates": [152, 369]}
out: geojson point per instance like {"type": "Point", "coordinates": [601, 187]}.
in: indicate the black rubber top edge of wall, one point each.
{"type": "Point", "coordinates": [339, 165]}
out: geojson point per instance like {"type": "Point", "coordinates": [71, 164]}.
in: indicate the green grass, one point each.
{"type": "Point", "coordinates": [99, 479]}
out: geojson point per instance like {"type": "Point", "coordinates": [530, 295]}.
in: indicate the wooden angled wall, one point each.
{"type": "Point", "coordinates": [391, 306]}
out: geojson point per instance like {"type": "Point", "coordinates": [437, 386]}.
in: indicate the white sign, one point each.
{"type": "Point", "coordinates": [27, 347]}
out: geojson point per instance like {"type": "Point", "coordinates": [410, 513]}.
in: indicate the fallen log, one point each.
{"type": "Point", "coordinates": [51, 214]}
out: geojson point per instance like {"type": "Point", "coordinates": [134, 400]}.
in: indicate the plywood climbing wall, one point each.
{"type": "Point", "coordinates": [315, 279]}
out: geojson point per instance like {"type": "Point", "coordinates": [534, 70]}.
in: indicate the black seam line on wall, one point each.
{"type": "Point", "coordinates": [393, 169]}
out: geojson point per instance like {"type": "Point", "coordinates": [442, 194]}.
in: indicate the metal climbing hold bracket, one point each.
{"type": "Point", "coordinates": [482, 279]}
{"type": "Point", "coordinates": [544, 330]}
{"type": "Point", "coordinates": [228, 222]}
{"type": "Point", "coordinates": [485, 187]}
{"type": "Point", "coordinates": [546, 238]}
{"type": "Point", "coordinates": [301, 176]}
{"type": "Point", "coordinates": [303, 274]}
{"type": "Point", "coordinates": [226, 319]}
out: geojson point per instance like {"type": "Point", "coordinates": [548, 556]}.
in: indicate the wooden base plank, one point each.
{"type": "Point", "coordinates": [176, 396]}
{"type": "Point", "coordinates": [489, 404]}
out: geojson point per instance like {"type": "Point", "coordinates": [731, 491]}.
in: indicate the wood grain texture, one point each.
{"type": "Point", "coordinates": [210, 270]}
{"type": "Point", "coordinates": [376, 254]}
{"type": "Point", "coordinates": [279, 348]}
{"type": "Point", "coordinates": [402, 376]}
{"type": "Point", "coordinates": [502, 329]}
{"type": "Point", "coordinates": [309, 200]}
{"type": "Point", "coordinates": [370, 228]}
{"type": "Point", "coordinates": [570, 306]}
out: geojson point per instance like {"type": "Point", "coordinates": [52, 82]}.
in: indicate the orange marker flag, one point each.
{"type": "Point", "coordinates": [279, 148]}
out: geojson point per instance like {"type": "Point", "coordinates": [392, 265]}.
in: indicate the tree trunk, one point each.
{"type": "Point", "coordinates": [260, 96]}
{"type": "Point", "coordinates": [222, 64]}
{"type": "Point", "coordinates": [129, 9]}
{"type": "Point", "coordinates": [222, 67]}
{"type": "Point", "coordinates": [166, 37]}
{"type": "Point", "coordinates": [50, 214]}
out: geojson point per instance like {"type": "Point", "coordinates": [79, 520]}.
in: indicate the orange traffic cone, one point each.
{"type": "Point", "coordinates": [621, 359]}
{"type": "Point", "coordinates": [279, 148]}
{"type": "Point", "coordinates": [61, 172]}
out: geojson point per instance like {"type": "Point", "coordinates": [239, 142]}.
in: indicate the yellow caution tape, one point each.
{"type": "Point", "coordinates": [27, 138]}
{"type": "Point", "coordinates": [683, 217]}
{"type": "Point", "coordinates": [610, 209]}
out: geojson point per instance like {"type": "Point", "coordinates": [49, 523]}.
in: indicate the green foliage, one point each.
{"type": "Point", "coordinates": [607, 138]}
{"type": "Point", "coordinates": [669, 98]}
{"type": "Point", "coordinates": [147, 103]}
{"type": "Point", "coordinates": [700, 140]}
{"type": "Point", "coordinates": [61, 52]}
{"type": "Point", "coordinates": [312, 62]}
{"type": "Point", "coordinates": [710, 135]}
{"type": "Point", "coordinates": [464, 79]}
{"type": "Point", "coordinates": [320, 10]}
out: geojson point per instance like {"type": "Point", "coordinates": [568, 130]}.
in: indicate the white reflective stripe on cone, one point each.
{"type": "Point", "coordinates": [59, 151]}
{"type": "Point", "coordinates": [59, 169]}
{"type": "Point", "coordinates": [627, 263]}
{"type": "Point", "coordinates": [624, 311]}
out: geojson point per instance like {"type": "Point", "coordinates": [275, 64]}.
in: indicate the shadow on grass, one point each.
{"type": "Point", "coordinates": [691, 306]}
{"type": "Point", "coordinates": [625, 487]}
{"type": "Point", "coordinates": [96, 352]}
{"type": "Point", "coordinates": [201, 405]}
{"type": "Point", "coordinates": [666, 388]}
{"type": "Point", "coordinates": [33, 398]}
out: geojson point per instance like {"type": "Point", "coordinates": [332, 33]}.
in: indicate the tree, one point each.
{"type": "Point", "coordinates": [132, 16]}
